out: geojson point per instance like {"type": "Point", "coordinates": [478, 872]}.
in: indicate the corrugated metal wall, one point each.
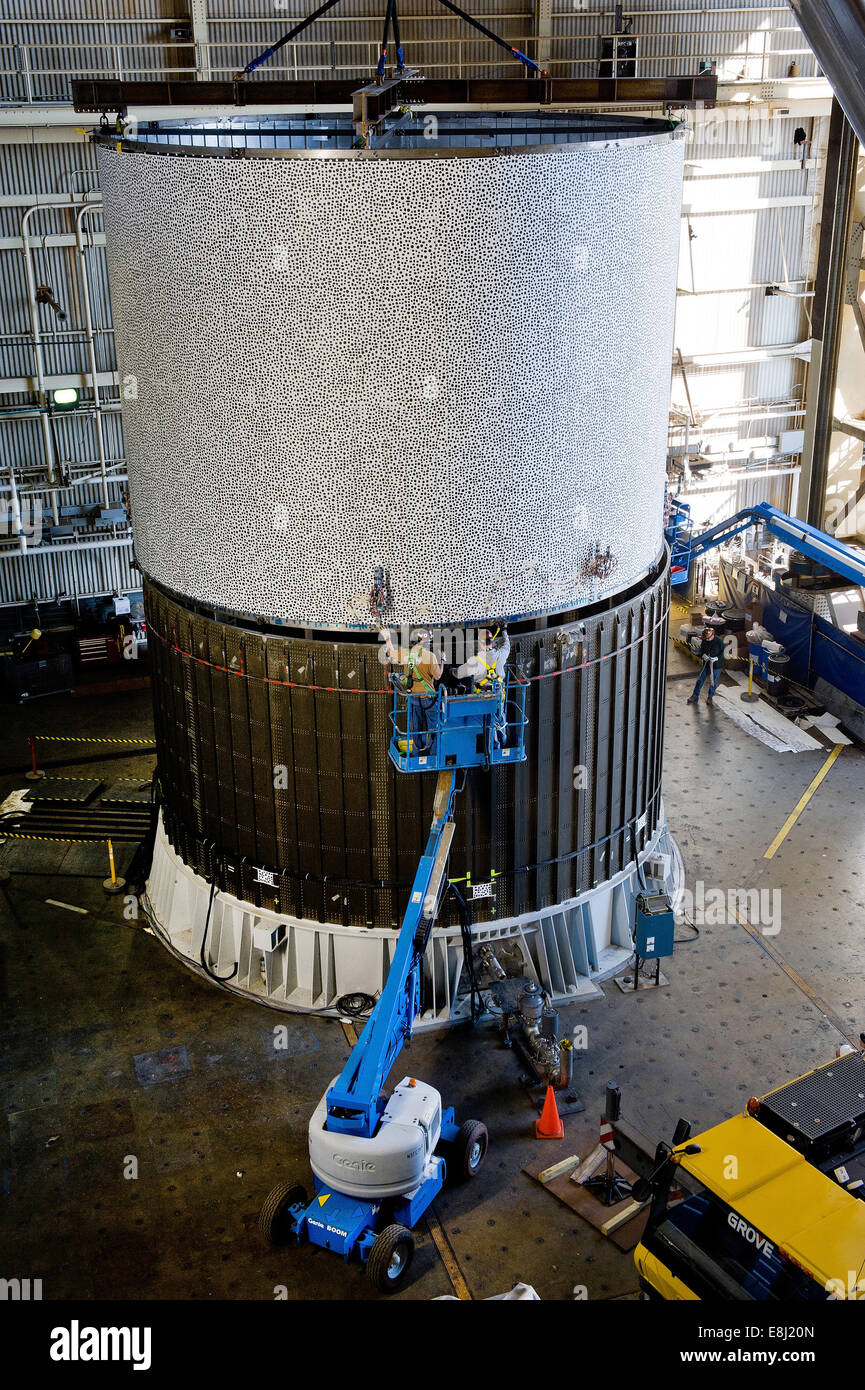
{"type": "Point", "coordinates": [44, 44]}
{"type": "Point", "coordinates": [751, 201]}
{"type": "Point", "coordinates": [67, 572]}
{"type": "Point", "coordinates": [36, 171]}
{"type": "Point", "coordinates": [748, 40]}
{"type": "Point", "coordinates": [720, 495]}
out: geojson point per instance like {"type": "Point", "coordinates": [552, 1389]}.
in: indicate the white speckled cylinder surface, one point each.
{"type": "Point", "coordinates": [453, 368]}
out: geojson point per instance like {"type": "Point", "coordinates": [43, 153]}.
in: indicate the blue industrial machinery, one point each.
{"type": "Point", "coordinates": [654, 926]}
{"type": "Point", "coordinates": [677, 532]}
{"type": "Point", "coordinates": [654, 937]}
{"type": "Point", "coordinates": [378, 1163]}
{"type": "Point", "coordinates": [826, 550]}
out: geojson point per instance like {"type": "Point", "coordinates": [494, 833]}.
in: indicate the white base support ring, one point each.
{"type": "Point", "coordinates": [300, 966]}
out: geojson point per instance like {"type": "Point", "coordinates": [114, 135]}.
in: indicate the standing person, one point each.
{"type": "Point", "coordinates": [481, 667]}
{"type": "Point", "coordinates": [500, 650]}
{"type": "Point", "coordinates": [500, 646]}
{"type": "Point", "coordinates": [489, 665]}
{"type": "Point", "coordinates": [423, 671]}
{"type": "Point", "coordinates": [712, 664]}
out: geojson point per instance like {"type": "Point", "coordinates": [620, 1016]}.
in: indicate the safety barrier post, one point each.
{"type": "Point", "coordinates": [113, 884]}
{"type": "Point", "coordinates": [748, 695]}
{"type": "Point", "coordinates": [34, 774]}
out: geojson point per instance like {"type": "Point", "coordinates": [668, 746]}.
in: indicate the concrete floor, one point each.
{"type": "Point", "coordinates": [218, 1117]}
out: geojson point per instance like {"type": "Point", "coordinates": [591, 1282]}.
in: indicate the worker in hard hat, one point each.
{"type": "Point", "coordinates": [711, 656]}
{"type": "Point", "coordinates": [423, 671]}
{"type": "Point", "coordinates": [489, 661]}
{"type": "Point", "coordinates": [487, 667]}
{"type": "Point", "coordinates": [500, 646]}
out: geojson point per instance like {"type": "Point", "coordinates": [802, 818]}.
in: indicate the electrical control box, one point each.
{"type": "Point", "coordinates": [654, 926]}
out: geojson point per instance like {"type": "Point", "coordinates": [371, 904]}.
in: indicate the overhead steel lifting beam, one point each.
{"type": "Point", "coordinates": [111, 96]}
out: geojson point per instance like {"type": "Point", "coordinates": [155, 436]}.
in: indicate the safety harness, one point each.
{"type": "Point", "coordinates": [412, 669]}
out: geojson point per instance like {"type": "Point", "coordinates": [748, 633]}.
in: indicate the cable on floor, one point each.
{"type": "Point", "coordinates": [356, 1005]}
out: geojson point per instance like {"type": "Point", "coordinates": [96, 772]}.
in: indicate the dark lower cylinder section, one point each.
{"type": "Point", "coordinates": [275, 779]}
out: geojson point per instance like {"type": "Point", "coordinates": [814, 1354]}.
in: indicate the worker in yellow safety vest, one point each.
{"type": "Point", "coordinates": [423, 671]}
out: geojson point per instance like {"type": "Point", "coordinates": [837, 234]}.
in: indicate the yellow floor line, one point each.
{"type": "Point", "coordinates": [801, 804]}
{"type": "Point", "coordinates": [448, 1258]}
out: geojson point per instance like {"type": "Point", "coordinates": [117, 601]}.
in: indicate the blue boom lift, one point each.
{"type": "Point", "coordinates": [379, 1162]}
{"type": "Point", "coordinates": [826, 550]}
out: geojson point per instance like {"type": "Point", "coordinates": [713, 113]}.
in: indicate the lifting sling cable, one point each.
{"type": "Point", "coordinates": [286, 38]}
{"type": "Point", "coordinates": [390, 16]}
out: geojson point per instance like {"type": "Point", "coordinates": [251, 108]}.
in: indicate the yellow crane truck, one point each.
{"type": "Point", "coordinates": [768, 1205]}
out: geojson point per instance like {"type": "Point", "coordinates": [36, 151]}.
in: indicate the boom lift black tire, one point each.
{"type": "Point", "coordinates": [468, 1151]}
{"type": "Point", "coordinates": [272, 1221]}
{"type": "Point", "coordinates": [390, 1258]}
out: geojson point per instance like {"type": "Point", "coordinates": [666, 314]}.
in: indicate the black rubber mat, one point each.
{"type": "Point", "coordinates": [54, 789]}
{"type": "Point", "coordinates": [128, 791]}
{"type": "Point", "coordinates": [80, 823]}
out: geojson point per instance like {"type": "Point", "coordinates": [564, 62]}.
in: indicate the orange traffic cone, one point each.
{"type": "Point", "coordinates": [550, 1126]}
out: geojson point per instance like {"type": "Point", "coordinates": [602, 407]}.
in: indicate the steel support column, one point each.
{"type": "Point", "coordinates": [839, 188]}
{"type": "Point", "coordinates": [201, 36]}
{"type": "Point", "coordinates": [543, 22]}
